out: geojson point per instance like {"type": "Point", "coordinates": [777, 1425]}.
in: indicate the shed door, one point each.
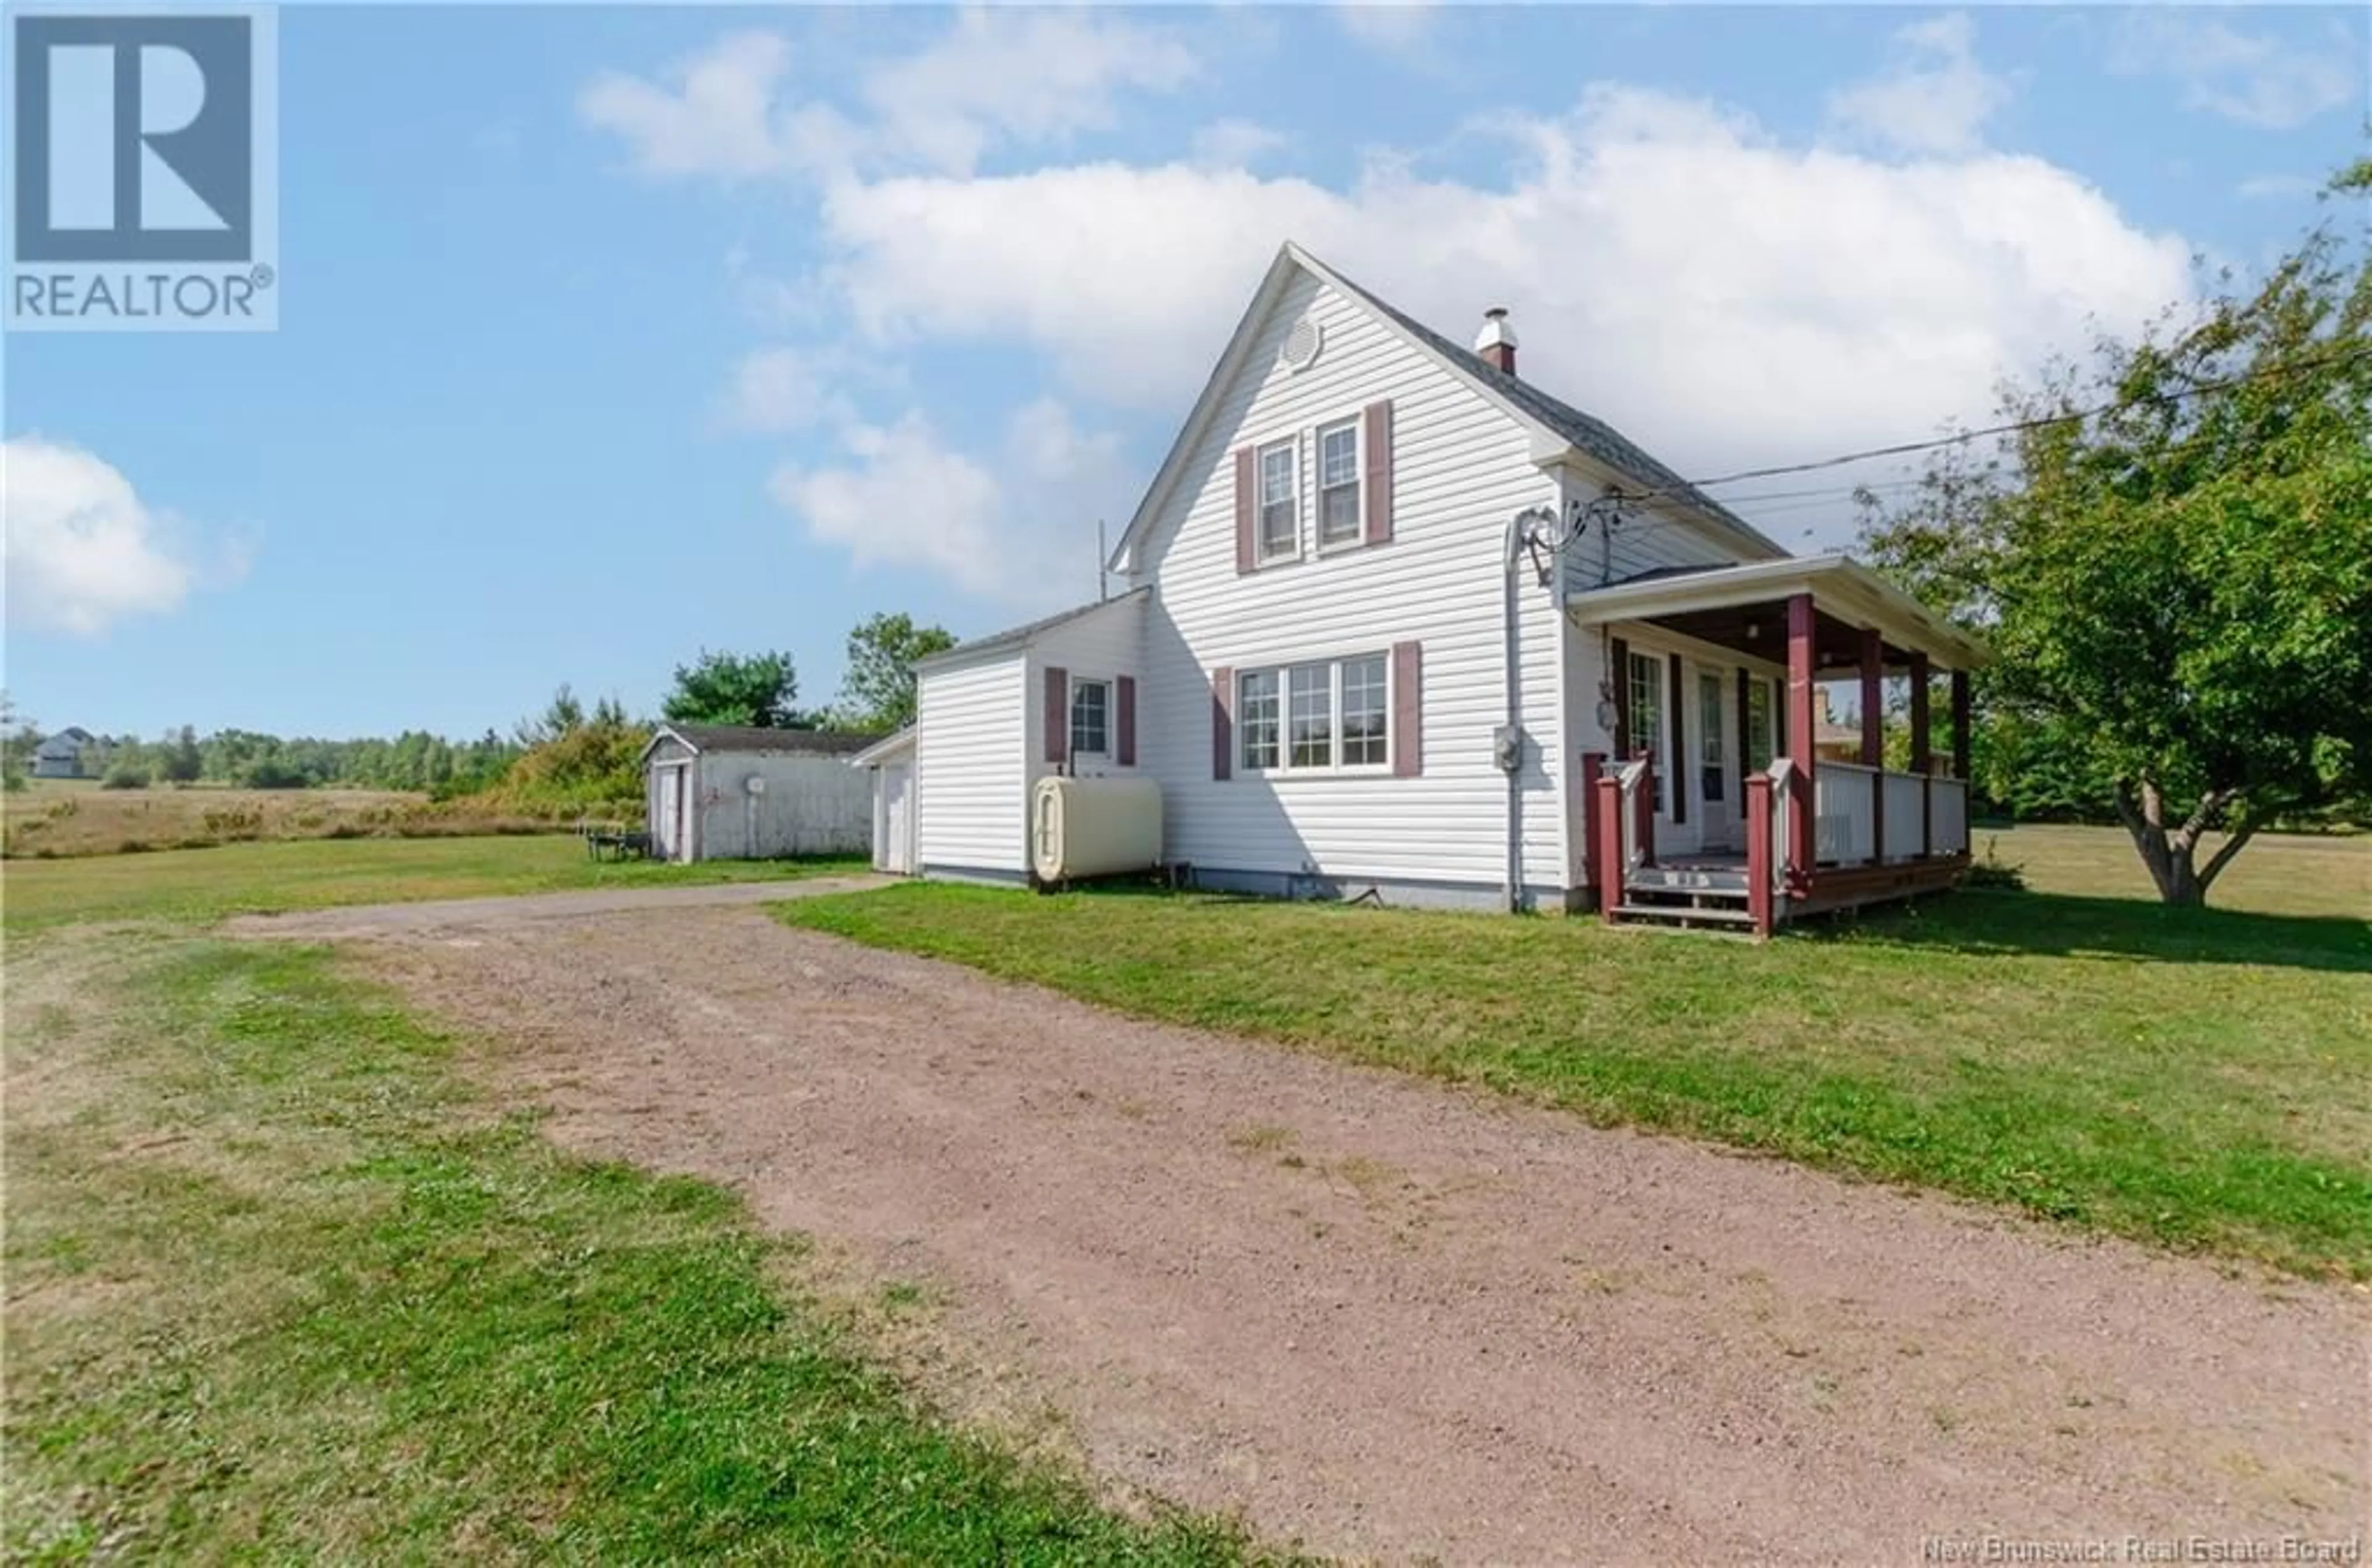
{"type": "Point", "coordinates": [669, 823]}
{"type": "Point", "coordinates": [898, 818]}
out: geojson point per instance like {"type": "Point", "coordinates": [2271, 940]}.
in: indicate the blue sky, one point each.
{"type": "Point", "coordinates": [607, 333]}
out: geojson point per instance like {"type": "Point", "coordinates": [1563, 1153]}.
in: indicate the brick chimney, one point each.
{"type": "Point", "coordinates": [1496, 341]}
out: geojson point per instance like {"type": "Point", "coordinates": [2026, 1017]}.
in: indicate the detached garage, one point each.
{"type": "Point", "coordinates": [890, 766]}
{"type": "Point", "coordinates": [725, 792]}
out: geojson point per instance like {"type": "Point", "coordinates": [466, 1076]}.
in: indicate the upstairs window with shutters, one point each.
{"type": "Point", "coordinates": [1280, 504]}
{"type": "Point", "coordinates": [1340, 518]}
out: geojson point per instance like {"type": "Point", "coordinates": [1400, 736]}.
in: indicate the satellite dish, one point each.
{"type": "Point", "coordinates": [754, 783]}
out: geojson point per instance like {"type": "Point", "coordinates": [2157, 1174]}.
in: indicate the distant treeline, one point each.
{"type": "Point", "coordinates": [413, 761]}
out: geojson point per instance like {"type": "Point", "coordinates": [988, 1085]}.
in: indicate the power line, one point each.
{"type": "Point", "coordinates": [2016, 427]}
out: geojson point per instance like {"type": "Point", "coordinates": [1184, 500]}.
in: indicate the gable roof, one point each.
{"type": "Point", "coordinates": [1016, 636]}
{"type": "Point", "coordinates": [1558, 422]}
{"type": "Point", "coordinates": [707, 738]}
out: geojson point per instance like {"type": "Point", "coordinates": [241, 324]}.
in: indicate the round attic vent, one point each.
{"type": "Point", "coordinates": [1300, 344]}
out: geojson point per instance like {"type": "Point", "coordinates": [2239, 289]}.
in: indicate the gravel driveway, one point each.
{"type": "Point", "coordinates": [1380, 1316]}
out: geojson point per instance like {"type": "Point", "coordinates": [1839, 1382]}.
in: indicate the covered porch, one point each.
{"type": "Point", "coordinates": [1723, 802]}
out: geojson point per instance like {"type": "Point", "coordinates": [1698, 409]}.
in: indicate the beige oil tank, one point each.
{"type": "Point", "coordinates": [1081, 827]}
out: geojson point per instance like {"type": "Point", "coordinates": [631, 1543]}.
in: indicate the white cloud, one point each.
{"type": "Point", "coordinates": [1014, 525]}
{"type": "Point", "coordinates": [1393, 26]}
{"type": "Point", "coordinates": [1235, 143]}
{"type": "Point", "coordinates": [783, 388]}
{"type": "Point", "coordinates": [716, 116]}
{"type": "Point", "coordinates": [997, 77]}
{"type": "Point", "coordinates": [1724, 298]}
{"type": "Point", "coordinates": [83, 551]}
{"type": "Point", "coordinates": [1727, 297]}
{"type": "Point", "coordinates": [1025, 76]}
{"type": "Point", "coordinates": [2254, 78]}
{"type": "Point", "coordinates": [1934, 100]}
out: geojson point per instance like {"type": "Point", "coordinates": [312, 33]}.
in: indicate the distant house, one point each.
{"type": "Point", "coordinates": [729, 792]}
{"type": "Point", "coordinates": [72, 753]}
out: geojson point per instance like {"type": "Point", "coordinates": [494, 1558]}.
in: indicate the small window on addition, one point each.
{"type": "Point", "coordinates": [1091, 718]}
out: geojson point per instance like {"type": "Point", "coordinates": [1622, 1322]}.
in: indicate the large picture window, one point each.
{"type": "Point", "coordinates": [1256, 718]}
{"type": "Point", "coordinates": [1329, 717]}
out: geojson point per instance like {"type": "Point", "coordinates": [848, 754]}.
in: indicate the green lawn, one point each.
{"type": "Point", "coordinates": [281, 1288]}
{"type": "Point", "coordinates": [2195, 1079]}
{"type": "Point", "coordinates": [244, 878]}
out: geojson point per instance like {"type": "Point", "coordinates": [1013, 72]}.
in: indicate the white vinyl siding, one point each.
{"type": "Point", "coordinates": [1461, 467]}
{"type": "Point", "coordinates": [1098, 648]}
{"type": "Point", "coordinates": [971, 769]}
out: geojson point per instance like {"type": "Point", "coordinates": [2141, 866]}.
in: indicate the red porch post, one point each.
{"type": "Point", "coordinates": [1608, 810]}
{"type": "Point", "coordinates": [1758, 851]}
{"type": "Point", "coordinates": [1922, 755]}
{"type": "Point", "coordinates": [1961, 724]}
{"type": "Point", "coordinates": [1801, 661]}
{"type": "Point", "coordinates": [1593, 767]}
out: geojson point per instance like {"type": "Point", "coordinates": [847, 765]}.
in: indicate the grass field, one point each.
{"type": "Point", "coordinates": [281, 1288]}
{"type": "Point", "coordinates": [203, 884]}
{"type": "Point", "coordinates": [2197, 1079]}
{"type": "Point", "coordinates": [75, 817]}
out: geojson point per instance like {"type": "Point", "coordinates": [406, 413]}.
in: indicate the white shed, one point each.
{"type": "Point", "coordinates": [728, 792]}
{"type": "Point", "coordinates": [889, 763]}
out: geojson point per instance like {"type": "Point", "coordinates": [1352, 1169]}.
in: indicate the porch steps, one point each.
{"type": "Point", "coordinates": [1684, 915]}
{"type": "Point", "coordinates": [1685, 896]}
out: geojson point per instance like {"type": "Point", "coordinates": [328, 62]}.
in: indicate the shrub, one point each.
{"type": "Point", "coordinates": [1996, 873]}
{"type": "Point", "coordinates": [123, 775]}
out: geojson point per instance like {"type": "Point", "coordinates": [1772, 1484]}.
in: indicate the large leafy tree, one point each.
{"type": "Point", "coordinates": [2172, 557]}
{"type": "Point", "coordinates": [746, 689]}
{"type": "Point", "coordinates": [878, 693]}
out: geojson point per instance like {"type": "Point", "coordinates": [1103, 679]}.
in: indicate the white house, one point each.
{"type": "Point", "coordinates": [1398, 620]}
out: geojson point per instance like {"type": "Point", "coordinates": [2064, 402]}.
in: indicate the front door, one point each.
{"type": "Point", "coordinates": [1714, 763]}
{"type": "Point", "coordinates": [1652, 735]}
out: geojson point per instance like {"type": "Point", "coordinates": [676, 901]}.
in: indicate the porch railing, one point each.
{"type": "Point", "coordinates": [1863, 815]}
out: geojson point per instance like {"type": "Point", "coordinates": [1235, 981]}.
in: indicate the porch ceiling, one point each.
{"type": "Point", "coordinates": [1745, 608]}
{"type": "Point", "coordinates": [1760, 631]}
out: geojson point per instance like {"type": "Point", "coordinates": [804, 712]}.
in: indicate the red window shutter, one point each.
{"type": "Point", "coordinates": [1058, 713]}
{"type": "Point", "coordinates": [1223, 722]}
{"type": "Point", "coordinates": [1377, 496]}
{"type": "Point", "coordinates": [1676, 708]}
{"type": "Point", "coordinates": [1124, 722]}
{"type": "Point", "coordinates": [1247, 511]}
{"type": "Point", "coordinates": [1408, 710]}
